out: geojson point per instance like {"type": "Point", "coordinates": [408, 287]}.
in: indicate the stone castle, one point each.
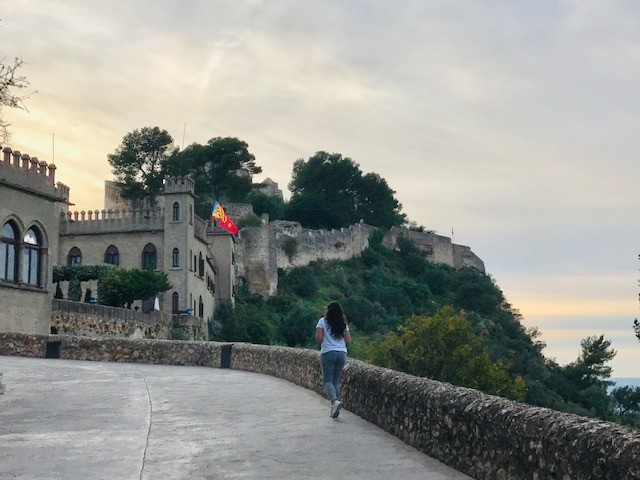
{"type": "Point", "coordinates": [203, 262]}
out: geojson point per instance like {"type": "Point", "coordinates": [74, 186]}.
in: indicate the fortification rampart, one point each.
{"type": "Point", "coordinates": [313, 245]}
{"type": "Point", "coordinates": [20, 170]}
{"type": "Point", "coordinates": [484, 436]}
{"type": "Point", "coordinates": [94, 222]}
{"type": "Point", "coordinates": [284, 244]}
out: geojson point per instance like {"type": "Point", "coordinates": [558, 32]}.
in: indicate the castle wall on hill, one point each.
{"type": "Point", "coordinates": [481, 435]}
{"type": "Point", "coordinates": [285, 245]}
{"type": "Point", "coordinates": [314, 245]}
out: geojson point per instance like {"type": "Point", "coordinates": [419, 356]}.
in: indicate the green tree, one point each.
{"type": "Point", "coordinates": [445, 347]}
{"type": "Point", "coordinates": [262, 203]}
{"type": "Point", "coordinates": [10, 82]}
{"type": "Point", "coordinates": [636, 328]}
{"type": "Point", "coordinates": [585, 381]}
{"type": "Point", "coordinates": [120, 287]}
{"type": "Point", "coordinates": [626, 403]}
{"type": "Point", "coordinates": [139, 160]}
{"type": "Point", "coordinates": [329, 191]}
{"type": "Point", "coordinates": [222, 169]}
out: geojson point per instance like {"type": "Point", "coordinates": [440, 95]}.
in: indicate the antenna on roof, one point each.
{"type": "Point", "coordinates": [53, 148]}
{"type": "Point", "coordinates": [183, 132]}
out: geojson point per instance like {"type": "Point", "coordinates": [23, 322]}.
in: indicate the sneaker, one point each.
{"type": "Point", "coordinates": [335, 409]}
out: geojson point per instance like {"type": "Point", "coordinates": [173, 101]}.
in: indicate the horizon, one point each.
{"type": "Point", "coordinates": [512, 125]}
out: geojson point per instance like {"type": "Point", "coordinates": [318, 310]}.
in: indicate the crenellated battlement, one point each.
{"type": "Point", "coordinates": [110, 221]}
{"type": "Point", "coordinates": [179, 185]}
{"type": "Point", "coordinates": [23, 171]}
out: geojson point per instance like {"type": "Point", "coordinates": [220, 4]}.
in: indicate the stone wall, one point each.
{"type": "Point", "coordinates": [163, 352]}
{"type": "Point", "coordinates": [91, 320]}
{"type": "Point", "coordinates": [484, 436]}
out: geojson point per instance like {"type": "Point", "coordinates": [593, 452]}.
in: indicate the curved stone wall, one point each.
{"type": "Point", "coordinates": [484, 436]}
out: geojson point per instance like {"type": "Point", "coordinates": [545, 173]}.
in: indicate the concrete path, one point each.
{"type": "Point", "coordinates": [62, 419]}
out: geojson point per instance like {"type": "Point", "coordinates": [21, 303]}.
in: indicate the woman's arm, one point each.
{"type": "Point", "coordinates": [347, 337]}
{"type": "Point", "coordinates": [319, 334]}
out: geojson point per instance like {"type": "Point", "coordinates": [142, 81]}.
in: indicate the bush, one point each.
{"type": "Point", "coordinates": [297, 327]}
{"type": "Point", "coordinates": [75, 290]}
{"type": "Point", "coordinates": [58, 295]}
{"type": "Point", "coordinates": [302, 282]}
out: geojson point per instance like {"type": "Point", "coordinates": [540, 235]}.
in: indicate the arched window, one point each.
{"type": "Point", "coordinates": [31, 258]}
{"type": "Point", "coordinates": [176, 212]}
{"type": "Point", "coordinates": [112, 256]}
{"type": "Point", "coordinates": [200, 265]}
{"type": "Point", "coordinates": [175, 258]}
{"type": "Point", "coordinates": [74, 257]}
{"type": "Point", "coordinates": [175, 302]}
{"type": "Point", "coordinates": [9, 252]}
{"type": "Point", "coordinates": [200, 307]}
{"type": "Point", "coordinates": [149, 257]}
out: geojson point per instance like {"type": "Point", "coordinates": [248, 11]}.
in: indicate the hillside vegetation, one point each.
{"type": "Point", "coordinates": [428, 320]}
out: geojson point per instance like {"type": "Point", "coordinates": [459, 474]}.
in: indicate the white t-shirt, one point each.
{"type": "Point", "coordinates": [328, 342]}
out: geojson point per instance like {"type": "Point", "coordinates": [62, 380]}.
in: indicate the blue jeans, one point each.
{"type": "Point", "coordinates": [332, 366]}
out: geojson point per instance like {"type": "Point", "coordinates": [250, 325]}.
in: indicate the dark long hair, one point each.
{"type": "Point", "coordinates": [336, 319]}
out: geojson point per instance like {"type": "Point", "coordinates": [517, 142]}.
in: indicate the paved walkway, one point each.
{"type": "Point", "coordinates": [62, 419]}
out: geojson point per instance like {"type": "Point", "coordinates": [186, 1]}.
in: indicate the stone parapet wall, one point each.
{"type": "Point", "coordinates": [93, 222]}
{"type": "Point", "coordinates": [484, 436]}
{"type": "Point", "coordinates": [161, 352]}
{"type": "Point", "coordinates": [25, 172]}
{"type": "Point", "coordinates": [91, 320]}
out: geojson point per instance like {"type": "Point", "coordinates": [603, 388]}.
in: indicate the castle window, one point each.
{"type": "Point", "coordinates": [175, 302]}
{"type": "Point", "coordinates": [31, 259]}
{"type": "Point", "coordinates": [149, 257]}
{"type": "Point", "coordinates": [200, 307]}
{"type": "Point", "coordinates": [200, 265]}
{"type": "Point", "coordinates": [9, 252]}
{"type": "Point", "coordinates": [190, 213]}
{"type": "Point", "coordinates": [74, 257]}
{"type": "Point", "coordinates": [112, 255]}
{"type": "Point", "coordinates": [176, 257]}
{"type": "Point", "coordinates": [176, 212]}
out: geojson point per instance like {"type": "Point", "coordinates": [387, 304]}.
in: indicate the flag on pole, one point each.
{"type": "Point", "coordinates": [218, 214]}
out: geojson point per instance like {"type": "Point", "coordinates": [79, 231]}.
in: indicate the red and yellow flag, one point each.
{"type": "Point", "coordinates": [218, 214]}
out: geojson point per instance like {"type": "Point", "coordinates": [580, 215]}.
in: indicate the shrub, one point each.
{"type": "Point", "coordinates": [75, 290]}
{"type": "Point", "coordinates": [297, 327]}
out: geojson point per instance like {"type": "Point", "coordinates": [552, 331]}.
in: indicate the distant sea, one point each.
{"type": "Point", "coordinates": [621, 382]}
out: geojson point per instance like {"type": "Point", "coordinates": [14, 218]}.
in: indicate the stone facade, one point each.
{"type": "Point", "coordinates": [30, 204]}
{"type": "Point", "coordinates": [194, 253]}
{"type": "Point", "coordinates": [481, 435]}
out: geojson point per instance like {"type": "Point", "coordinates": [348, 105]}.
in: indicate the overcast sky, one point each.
{"type": "Point", "coordinates": [512, 124]}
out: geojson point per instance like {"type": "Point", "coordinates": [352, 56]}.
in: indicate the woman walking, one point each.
{"type": "Point", "coordinates": [332, 332]}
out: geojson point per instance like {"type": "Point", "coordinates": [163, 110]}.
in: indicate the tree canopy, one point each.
{"type": "Point", "coordinates": [222, 169]}
{"type": "Point", "coordinates": [445, 347]}
{"type": "Point", "coordinates": [330, 191]}
{"type": "Point", "coordinates": [138, 162]}
{"type": "Point", "coordinates": [121, 287]}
